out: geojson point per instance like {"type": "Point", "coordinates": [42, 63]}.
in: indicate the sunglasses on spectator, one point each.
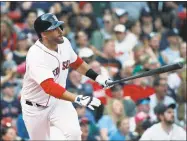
{"type": "Point", "coordinates": [117, 32]}
{"type": "Point", "coordinates": [107, 22]}
{"type": "Point", "coordinates": [163, 85]}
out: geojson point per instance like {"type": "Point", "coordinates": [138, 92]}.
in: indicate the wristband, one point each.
{"type": "Point", "coordinates": [91, 74]}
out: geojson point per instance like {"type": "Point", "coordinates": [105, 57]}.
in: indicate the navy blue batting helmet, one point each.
{"type": "Point", "coordinates": [46, 22]}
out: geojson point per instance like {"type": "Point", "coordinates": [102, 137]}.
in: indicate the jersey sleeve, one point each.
{"type": "Point", "coordinates": [75, 60]}
{"type": "Point", "coordinates": [38, 69]}
{"type": "Point", "coordinates": [40, 73]}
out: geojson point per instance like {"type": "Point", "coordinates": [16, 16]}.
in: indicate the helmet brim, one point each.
{"type": "Point", "coordinates": [58, 23]}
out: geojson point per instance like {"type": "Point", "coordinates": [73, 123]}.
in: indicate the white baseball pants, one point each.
{"type": "Point", "coordinates": [61, 118]}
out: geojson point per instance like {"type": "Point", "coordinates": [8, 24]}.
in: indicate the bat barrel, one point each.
{"type": "Point", "coordinates": [160, 70]}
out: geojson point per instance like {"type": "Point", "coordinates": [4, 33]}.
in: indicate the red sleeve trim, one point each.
{"type": "Point", "coordinates": [77, 63]}
{"type": "Point", "coordinates": [52, 88]}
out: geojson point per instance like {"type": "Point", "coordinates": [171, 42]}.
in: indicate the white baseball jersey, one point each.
{"type": "Point", "coordinates": [43, 63]}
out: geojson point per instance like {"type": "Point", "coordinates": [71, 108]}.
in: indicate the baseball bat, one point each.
{"type": "Point", "coordinates": [160, 70]}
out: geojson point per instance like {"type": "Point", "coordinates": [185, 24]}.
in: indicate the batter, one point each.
{"type": "Point", "coordinates": [44, 99]}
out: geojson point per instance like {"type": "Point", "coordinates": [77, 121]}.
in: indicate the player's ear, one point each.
{"type": "Point", "coordinates": [43, 34]}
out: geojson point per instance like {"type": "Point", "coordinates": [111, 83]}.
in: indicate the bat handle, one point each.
{"type": "Point", "coordinates": [112, 83]}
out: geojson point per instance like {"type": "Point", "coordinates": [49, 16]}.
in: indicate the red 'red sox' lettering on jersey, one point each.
{"type": "Point", "coordinates": [65, 64]}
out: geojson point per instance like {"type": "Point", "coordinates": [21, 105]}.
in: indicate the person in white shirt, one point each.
{"type": "Point", "coordinates": [160, 96]}
{"type": "Point", "coordinates": [166, 129]}
{"type": "Point", "coordinates": [123, 44]}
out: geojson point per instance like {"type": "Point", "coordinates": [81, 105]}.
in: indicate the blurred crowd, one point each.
{"type": "Point", "coordinates": [117, 39]}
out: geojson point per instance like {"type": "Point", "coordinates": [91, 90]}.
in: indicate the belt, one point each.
{"type": "Point", "coordinates": [32, 104]}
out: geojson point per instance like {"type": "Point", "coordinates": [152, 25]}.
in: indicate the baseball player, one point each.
{"type": "Point", "coordinates": [45, 101]}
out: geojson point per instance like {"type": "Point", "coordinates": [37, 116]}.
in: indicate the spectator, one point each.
{"type": "Point", "coordinates": [29, 28]}
{"type": "Point", "coordinates": [8, 36]}
{"type": "Point", "coordinates": [174, 82]}
{"type": "Point", "coordinates": [138, 52]}
{"type": "Point", "coordinates": [143, 105]}
{"type": "Point", "coordinates": [171, 53]}
{"type": "Point", "coordinates": [134, 13]}
{"type": "Point", "coordinates": [153, 47]}
{"type": "Point", "coordinates": [107, 124]}
{"type": "Point", "coordinates": [87, 55]}
{"type": "Point", "coordinates": [166, 129]}
{"type": "Point", "coordinates": [161, 29]}
{"type": "Point", "coordinates": [100, 9]}
{"type": "Point", "coordinates": [134, 31]}
{"type": "Point", "coordinates": [45, 6]}
{"type": "Point", "coordinates": [86, 128]}
{"type": "Point", "coordinates": [109, 60]}
{"type": "Point", "coordinates": [9, 134]}
{"type": "Point", "coordinates": [146, 21]}
{"type": "Point", "coordinates": [10, 105]}
{"type": "Point", "coordinates": [56, 8]}
{"type": "Point", "coordinates": [88, 19]}
{"type": "Point", "coordinates": [122, 16]}
{"type": "Point", "coordinates": [123, 132]}
{"type": "Point", "coordinates": [123, 47]}
{"type": "Point", "coordinates": [82, 40]}
{"type": "Point", "coordinates": [158, 25]}
{"type": "Point", "coordinates": [10, 67]}
{"type": "Point", "coordinates": [169, 13]}
{"type": "Point", "coordinates": [8, 75]}
{"type": "Point", "coordinates": [19, 54]}
{"type": "Point", "coordinates": [71, 7]}
{"type": "Point", "coordinates": [98, 37]}
{"type": "Point", "coordinates": [74, 81]}
{"type": "Point", "coordinates": [160, 96]}
{"type": "Point", "coordinates": [117, 92]}
{"type": "Point", "coordinates": [142, 123]}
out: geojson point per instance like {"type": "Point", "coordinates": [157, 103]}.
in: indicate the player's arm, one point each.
{"type": "Point", "coordinates": [54, 89]}
{"type": "Point", "coordinates": [84, 69]}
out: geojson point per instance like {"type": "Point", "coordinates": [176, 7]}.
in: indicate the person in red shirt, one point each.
{"type": "Point", "coordinates": [135, 92]}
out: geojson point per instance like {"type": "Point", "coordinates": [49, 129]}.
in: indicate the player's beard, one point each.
{"type": "Point", "coordinates": [59, 40]}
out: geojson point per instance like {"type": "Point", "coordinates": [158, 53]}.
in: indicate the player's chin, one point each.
{"type": "Point", "coordinates": [60, 40]}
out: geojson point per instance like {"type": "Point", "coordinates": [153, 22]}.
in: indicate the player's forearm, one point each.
{"type": "Point", "coordinates": [54, 89]}
{"type": "Point", "coordinates": [83, 68]}
{"type": "Point", "coordinates": [68, 96]}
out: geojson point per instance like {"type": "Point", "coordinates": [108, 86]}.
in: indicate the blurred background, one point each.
{"type": "Point", "coordinates": [117, 39]}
